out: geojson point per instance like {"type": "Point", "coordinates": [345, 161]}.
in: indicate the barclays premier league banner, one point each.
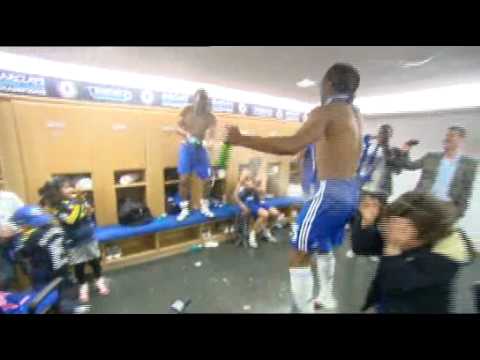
{"type": "Point", "coordinates": [22, 83]}
{"type": "Point", "coordinates": [223, 106]}
{"type": "Point", "coordinates": [36, 85]}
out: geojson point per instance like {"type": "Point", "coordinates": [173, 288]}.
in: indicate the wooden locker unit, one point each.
{"type": "Point", "coordinates": [135, 191]}
{"type": "Point", "coordinates": [13, 170]}
{"type": "Point", "coordinates": [119, 144]}
{"type": "Point", "coordinates": [240, 155]}
{"type": "Point", "coordinates": [47, 137]}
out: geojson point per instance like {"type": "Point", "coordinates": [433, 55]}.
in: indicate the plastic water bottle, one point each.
{"type": "Point", "coordinates": [179, 306]}
{"type": "Point", "coordinates": [196, 248]}
{"type": "Point", "coordinates": [225, 154]}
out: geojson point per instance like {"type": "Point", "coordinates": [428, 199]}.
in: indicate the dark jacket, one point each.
{"type": "Point", "coordinates": [417, 281]}
{"type": "Point", "coordinates": [393, 162]}
{"type": "Point", "coordinates": [461, 186]}
{"type": "Point", "coordinates": [44, 250]}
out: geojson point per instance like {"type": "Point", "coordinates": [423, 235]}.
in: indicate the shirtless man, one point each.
{"type": "Point", "coordinates": [335, 129]}
{"type": "Point", "coordinates": [197, 126]}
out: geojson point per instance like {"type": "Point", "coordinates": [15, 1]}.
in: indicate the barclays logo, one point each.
{"type": "Point", "coordinates": [22, 83]}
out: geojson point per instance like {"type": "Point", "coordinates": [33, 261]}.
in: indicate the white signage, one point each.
{"type": "Point", "coordinates": [175, 100]}
{"type": "Point", "coordinates": [109, 94]}
{"type": "Point", "coordinates": [262, 111]}
{"type": "Point", "coordinates": [21, 83]}
{"type": "Point", "coordinates": [292, 115]}
{"type": "Point", "coordinates": [222, 106]}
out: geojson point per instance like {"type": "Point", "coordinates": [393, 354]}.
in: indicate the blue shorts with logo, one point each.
{"type": "Point", "coordinates": [255, 206]}
{"type": "Point", "coordinates": [321, 222]}
{"type": "Point", "coordinates": [194, 158]}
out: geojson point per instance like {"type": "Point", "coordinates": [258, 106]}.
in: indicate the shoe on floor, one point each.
{"type": "Point", "coordinates": [102, 287]}
{"type": "Point", "coordinates": [270, 238]}
{"type": "Point", "coordinates": [350, 254]}
{"type": "Point", "coordinates": [252, 240]}
{"type": "Point", "coordinates": [83, 293]}
{"type": "Point", "coordinates": [325, 302]}
{"type": "Point", "coordinates": [82, 309]}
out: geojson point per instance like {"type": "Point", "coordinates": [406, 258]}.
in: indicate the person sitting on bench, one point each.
{"type": "Point", "coordinates": [248, 194]}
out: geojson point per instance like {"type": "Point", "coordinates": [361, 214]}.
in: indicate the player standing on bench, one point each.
{"type": "Point", "coordinates": [197, 126]}
{"type": "Point", "coordinates": [336, 130]}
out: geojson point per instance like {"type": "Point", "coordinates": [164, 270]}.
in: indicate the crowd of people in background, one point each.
{"type": "Point", "coordinates": [416, 237]}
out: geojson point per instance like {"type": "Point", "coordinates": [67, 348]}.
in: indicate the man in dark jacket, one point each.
{"type": "Point", "coordinates": [448, 175]}
{"type": "Point", "coordinates": [378, 162]}
{"type": "Point", "coordinates": [421, 254]}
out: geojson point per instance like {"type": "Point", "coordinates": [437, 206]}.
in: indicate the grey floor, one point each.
{"type": "Point", "coordinates": [239, 280]}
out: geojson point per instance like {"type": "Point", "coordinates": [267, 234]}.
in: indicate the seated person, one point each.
{"type": "Point", "coordinates": [421, 253]}
{"type": "Point", "coordinates": [248, 194]}
{"type": "Point", "coordinates": [42, 246]}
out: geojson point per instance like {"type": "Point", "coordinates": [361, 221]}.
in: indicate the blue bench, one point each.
{"type": "Point", "coordinates": [118, 232]}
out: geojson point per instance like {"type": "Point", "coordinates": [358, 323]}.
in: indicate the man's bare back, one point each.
{"type": "Point", "coordinates": [338, 152]}
{"type": "Point", "coordinates": [196, 126]}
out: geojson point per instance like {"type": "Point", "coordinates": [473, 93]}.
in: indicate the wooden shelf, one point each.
{"type": "Point", "coordinates": [154, 254]}
{"type": "Point", "coordinates": [172, 182]}
{"type": "Point", "coordinates": [133, 185]}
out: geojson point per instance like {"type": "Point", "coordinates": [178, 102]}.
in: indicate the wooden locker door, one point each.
{"type": "Point", "coordinates": [121, 142]}
{"type": "Point", "coordinates": [162, 151]}
{"type": "Point", "coordinates": [55, 138]}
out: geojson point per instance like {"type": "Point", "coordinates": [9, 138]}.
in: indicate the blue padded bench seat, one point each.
{"type": "Point", "coordinates": [228, 211]}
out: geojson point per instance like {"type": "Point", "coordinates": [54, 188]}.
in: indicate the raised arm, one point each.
{"type": "Point", "coordinates": [402, 159]}
{"type": "Point", "coordinates": [366, 238]}
{"type": "Point", "coordinates": [312, 131]}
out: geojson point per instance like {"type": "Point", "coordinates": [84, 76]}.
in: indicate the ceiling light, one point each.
{"type": "Point", "coordinates": [306, 83]}
{"type": "Point", "coordinates": [416, 63]}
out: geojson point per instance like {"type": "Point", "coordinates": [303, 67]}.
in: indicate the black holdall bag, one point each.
{"type": "Point", "coordinates": [133, 212]}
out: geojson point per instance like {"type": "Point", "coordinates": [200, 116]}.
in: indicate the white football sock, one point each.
{"type": "Point", "coordinates": [301, 285]}
{"type": "Point", "coordinates": [325, 275]}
